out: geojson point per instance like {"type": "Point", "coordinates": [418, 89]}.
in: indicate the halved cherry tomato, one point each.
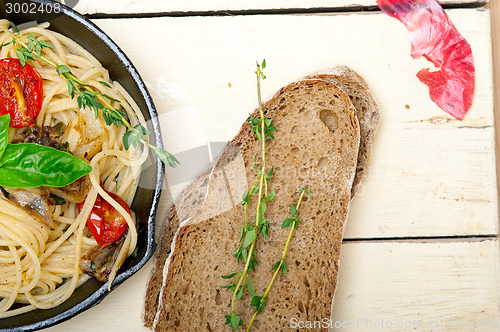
{"type": "Point", "coordinates": [21, 92]}
{"type": "Point", "coordinates": [104, 222]}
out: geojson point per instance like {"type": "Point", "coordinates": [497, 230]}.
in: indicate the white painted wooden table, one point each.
{"type": "Point", "coordinates": [176, 7]}
{"type": "Point", "coordinates": [421, 249]}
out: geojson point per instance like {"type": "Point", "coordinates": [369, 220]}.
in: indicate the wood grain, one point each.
{"type": "Point", "coordinates": [379, 283]}
{"type": "Point", "coordinates": [495, 36]}
{"type": "Point", "coordinates": [419, 286]}
{"type": "Point", "coordinates": [162, 6]}
{"type": "Point", "coordinates": [433, 176]}
{"type": "Point", "coordinates": [429, 174]}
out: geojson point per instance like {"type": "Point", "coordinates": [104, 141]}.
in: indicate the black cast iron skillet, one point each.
{"type": "Point", "coordinates": [73, 25]}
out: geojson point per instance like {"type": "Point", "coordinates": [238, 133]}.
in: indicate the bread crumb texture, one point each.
{"type": "Point", "coordinates": [316, 145]}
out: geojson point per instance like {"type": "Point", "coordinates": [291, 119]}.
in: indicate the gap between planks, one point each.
{"type": "Point", "coordinates": [354, 8]}
{"type": "Point", "coordinates": [381, 217]}
{"type": "Point", "coordinates": [424, 239]}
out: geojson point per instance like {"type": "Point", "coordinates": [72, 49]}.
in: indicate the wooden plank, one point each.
{"type": "Point", "coordinates": [394, 283]}
{"type": "Point", "coordinates": [161, 6]}
{"type": "Point", "coordinates": [120, 311]}
{"type": "Point", "coordinates": [419, 286]}
{"type": "Point", "coordinates": [495, 35]}
{"type": "Point", "coordinates": [429, 175]}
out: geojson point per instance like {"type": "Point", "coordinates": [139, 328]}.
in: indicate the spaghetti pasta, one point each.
{"type": "Point", "coordinates": [40, 265]}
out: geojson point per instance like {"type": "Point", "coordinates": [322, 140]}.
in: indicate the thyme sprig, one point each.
{"type": "Point", "coordinates": [250, 232]}
{"type": "Point", "coordinates": [263, 129]}
{"type": "Point", "coordinates": [85, 95]}
{"type": "Point", "coordinates": [259, 302]}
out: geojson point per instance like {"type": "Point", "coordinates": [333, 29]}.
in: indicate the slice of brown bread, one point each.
{"type": "Point", "coordinates": [316, 146]}
{"type": "Point", "coordinates": [192, 197]}
{"type": "Point", "coordinates": [366, 110]}
{"type": "Point", "coordinates": [189, 201]}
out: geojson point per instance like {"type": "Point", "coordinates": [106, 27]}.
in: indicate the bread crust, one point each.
{"type": "Point", "coordinates": [189, 201]}
{"type": "Point", "coordinates": [366, 110]}
{"type": "Point", "coordinates": [316, 146]}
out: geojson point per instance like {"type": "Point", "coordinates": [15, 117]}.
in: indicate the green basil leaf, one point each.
{"type": "Point", "coordinates": [26, 165]}
{"type": "Point", "coordinates": [4, 132]}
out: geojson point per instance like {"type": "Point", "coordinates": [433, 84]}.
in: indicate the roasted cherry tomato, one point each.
{"type": "Point", "coordinates": [21, 92]}
{"type": "Point", "coordinates": [104, 222]}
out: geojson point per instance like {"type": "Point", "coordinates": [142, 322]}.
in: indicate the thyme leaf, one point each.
{"type": "Point", "coordinates": [85, 95]}
{"type": "Point", "coordinates": [259, 302]}
{"type": "Point", "coordinates": [249, 233]}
